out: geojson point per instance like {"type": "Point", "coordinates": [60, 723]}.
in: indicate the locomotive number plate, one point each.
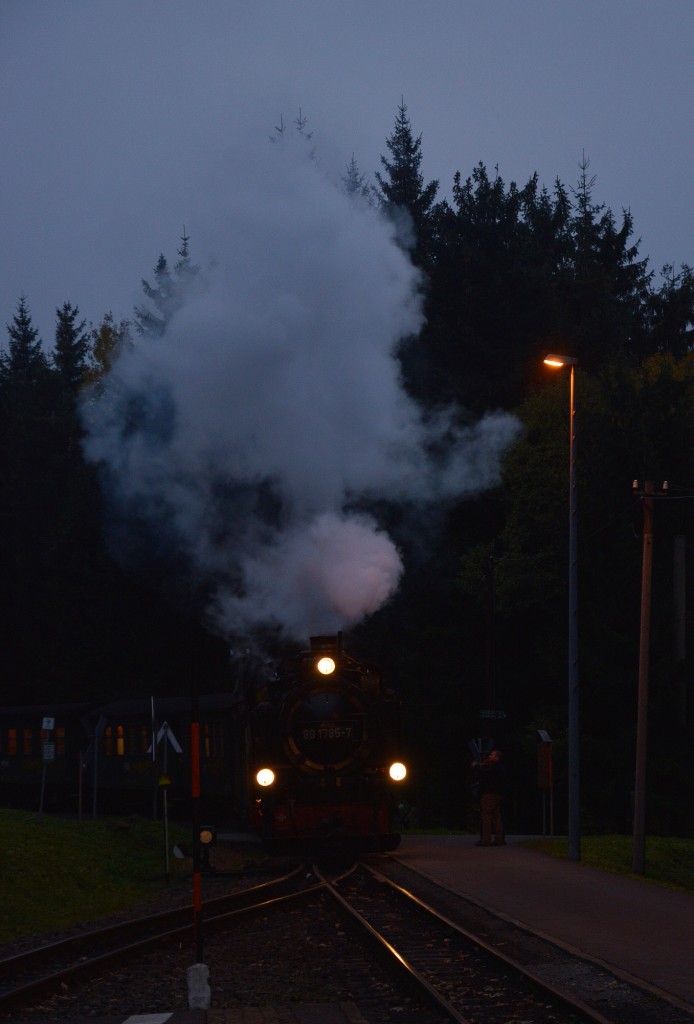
{"type": "Point", "coordinates": [327, 732]}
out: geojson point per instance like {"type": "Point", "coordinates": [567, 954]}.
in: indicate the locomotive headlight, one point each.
{"type": "Point", "coordinates": [326, 666]}
{"type": "Point", "coordinates": [265, 777]}
{"type": "Point", "coordinates": [397, 771]}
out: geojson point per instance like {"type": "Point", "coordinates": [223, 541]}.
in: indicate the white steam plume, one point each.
{"type": "Point", "coordinates": [274, 401]}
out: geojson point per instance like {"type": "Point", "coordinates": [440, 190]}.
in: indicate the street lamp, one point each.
{"type": "Point", "coordinates": [573, 706]}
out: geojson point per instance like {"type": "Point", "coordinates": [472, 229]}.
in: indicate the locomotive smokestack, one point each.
{"type": "Point", "coordinates": [318, 644]}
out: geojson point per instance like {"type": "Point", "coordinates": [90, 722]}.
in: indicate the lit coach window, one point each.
{"type": "Point", "coordinates": [326, 666]}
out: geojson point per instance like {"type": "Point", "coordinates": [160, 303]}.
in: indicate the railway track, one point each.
{"type": "Point", "coordinates": [604, 992]}
{"type": "Point", "coordinates": [429, 969]}
{"type": "Point", "coordinates": [44, 970]}
{"type": "Point", "coordinates": [457, 973]}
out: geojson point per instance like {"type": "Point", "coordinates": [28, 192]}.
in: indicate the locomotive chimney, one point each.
{"type": "Point", "coordinates": [326, 643]}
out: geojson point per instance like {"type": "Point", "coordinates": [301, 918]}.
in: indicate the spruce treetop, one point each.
{"type": "Point", "coordinates": [402, 186]}
{"type": "Point", "coordinates": [25, 358]}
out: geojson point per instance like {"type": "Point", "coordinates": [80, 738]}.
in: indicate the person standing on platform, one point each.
{"type": "Point", "coordinates": [492, 778]}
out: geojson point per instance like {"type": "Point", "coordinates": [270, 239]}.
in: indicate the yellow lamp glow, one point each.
{"type": "Point", "coordinates": [558, 361]}
{"type": "Point", "coordinates": [265, 777]}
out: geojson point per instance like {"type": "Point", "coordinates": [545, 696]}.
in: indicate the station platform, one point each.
{"type": "Point", "coordinates": [632, 927]}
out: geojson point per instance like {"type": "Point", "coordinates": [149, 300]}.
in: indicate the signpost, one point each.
{"type": "Point", "coordinates": [47, 727]}
{"type": "Point", "coordinates": [544, 778]}
{"type": "Point", "coordinates": [165, 734]}
{"type": "Point", "coordinates": [91, 756]}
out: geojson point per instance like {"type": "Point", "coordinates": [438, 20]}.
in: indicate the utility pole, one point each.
{"type": "Point", "coordinates": [490, 700]}
{"type": "Point", "coordinates": [679, 623]}
{"type": "Point", "coordinates": [639, 844]}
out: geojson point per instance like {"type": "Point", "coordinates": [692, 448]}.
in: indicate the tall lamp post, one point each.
{"type": "Point", "coordinates": [574, 759]}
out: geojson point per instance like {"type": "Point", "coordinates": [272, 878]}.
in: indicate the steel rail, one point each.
{"type": "Point", "coordinates": [568, 1000]}
{"type": "Point", "coordinates": [19, 961]}
{"type": "Point", "coordinates": [22, 994]}
{"type": "Point", "coordinates": [413, 974]}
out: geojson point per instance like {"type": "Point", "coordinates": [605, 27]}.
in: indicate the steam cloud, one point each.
{"type": "Point", "coordinates": [273, 403]}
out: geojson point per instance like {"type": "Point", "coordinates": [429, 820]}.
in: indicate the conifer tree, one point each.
{"type": "Point", "coordinates": [168, 293]}
{"type": "Point", "coordinates": [355, 183]}
{"type": "Point", "coordinates": [402, 187]}
{"type": "Point", "coordinates": [186, 271]}
{"type": "Point", "coordinates": [71, 346]}
{"type": "Point", "coordinates": [107, 341]}
{"type": "Point", "coordinates": [25, 359]}
{"type": "Point", "coordinates": [670, 312]}
{"type": "Point", "coordinates": [301, 123]}
{"type": "Point", "coordinates": [152, 323]}
{"type": "Point", "coordinates": [607, 290]}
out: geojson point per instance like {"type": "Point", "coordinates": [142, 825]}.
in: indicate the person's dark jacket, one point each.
{"type": "Point", "coordinates": [492, 778]}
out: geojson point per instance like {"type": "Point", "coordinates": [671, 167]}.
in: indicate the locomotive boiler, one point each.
{"type": "Point", "coordinates": [325, 763]}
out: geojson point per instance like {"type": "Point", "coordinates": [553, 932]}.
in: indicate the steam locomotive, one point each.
{"type": "Point", "coordinates": [323, 754]}
{"type": "Point", "coordinates": [305, 753]}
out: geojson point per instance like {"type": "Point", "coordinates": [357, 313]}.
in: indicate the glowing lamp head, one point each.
{"type": "Point", "coordinates": [397, 771]}
{"type": "Point", "coordinates": [558, 361]}
{"type": "Point", "coordinates": [326, 666]}
{"type": "Point", "coordinates": [265, 777]}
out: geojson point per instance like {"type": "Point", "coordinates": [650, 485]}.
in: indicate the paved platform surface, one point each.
{"type": "Point", "coordinates": [638, 928]}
